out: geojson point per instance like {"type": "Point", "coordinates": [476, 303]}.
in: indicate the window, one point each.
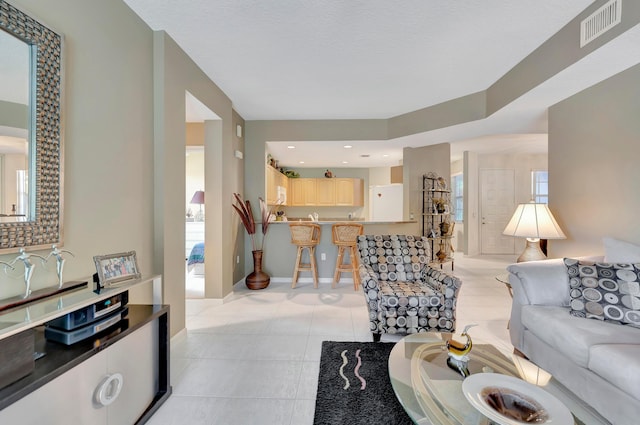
{"type": "Point", "coordinates": [457, 197]}
{"type": "Point", "coordinates": [540, 186]}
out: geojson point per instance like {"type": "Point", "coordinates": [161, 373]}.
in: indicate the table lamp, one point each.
{"type": "Point", "coordinates": [198, 198]}
{"type": "Point", "coordinates": [534, 222]}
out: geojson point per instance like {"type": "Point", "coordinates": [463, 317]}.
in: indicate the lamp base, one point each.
{"type": "Point", "coordinates": [532, 251]}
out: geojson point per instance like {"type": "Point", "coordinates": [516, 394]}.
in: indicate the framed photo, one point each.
{"type": "Point", "coordinates": [115, 268]}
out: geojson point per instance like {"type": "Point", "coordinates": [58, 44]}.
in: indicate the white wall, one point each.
{"type": "Point", "coordinates": [593, 165]}
{"type": "Point", "coordinates": [174, 75]}
{"type": "Point", "coordinates": [521, 163]}
{"type": "Point", "coordinates": [379, 176]}
{"type": "Point", "coordinates": [416, 163]}
{"type": "Point", "coordinates": [124, 142]}
{"type": "Point", "coordinates": [194, 173]}
{"type": "Point", "coordinates": [108, 135]}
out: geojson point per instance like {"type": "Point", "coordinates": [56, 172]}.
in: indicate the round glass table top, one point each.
{"type": "Point", "coordinates": [431, 392]}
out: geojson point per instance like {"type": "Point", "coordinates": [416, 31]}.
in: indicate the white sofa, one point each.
{"type": "Point", "coordinates": [597, 360]}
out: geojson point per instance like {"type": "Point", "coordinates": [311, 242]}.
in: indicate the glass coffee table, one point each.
{"type": "Point", "coordinates": [431, 392]}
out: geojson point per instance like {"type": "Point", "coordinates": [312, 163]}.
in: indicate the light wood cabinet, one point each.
{"type": "Point", "coordinates": [326, 192]}
{"type": "Point", "coordinates": [303, 192]}
{"type": "Point", "coordinates": [396, 174]}
{"type": "Point", "coordinates": [276, 186]}
{"type": "Point", "coordinates": [283, 183]}
{"type": "Point", "coordinates": [347, 192]}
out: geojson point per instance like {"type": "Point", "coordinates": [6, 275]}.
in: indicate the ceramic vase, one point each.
{"type": "Point", "coordinates": [257, 279]}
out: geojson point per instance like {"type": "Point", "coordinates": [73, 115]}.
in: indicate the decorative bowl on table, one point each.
{"type": "Point", "coordinates": [507, 400]}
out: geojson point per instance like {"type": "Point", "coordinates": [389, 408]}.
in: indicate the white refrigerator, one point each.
{"type": "Point", "coordinates": [386, 202]}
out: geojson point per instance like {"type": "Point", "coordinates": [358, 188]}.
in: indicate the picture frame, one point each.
{"type": "Point", "coordinates": [116, 268]}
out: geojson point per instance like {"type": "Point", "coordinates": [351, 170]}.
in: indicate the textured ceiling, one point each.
{"type": "Point", "coordinates": [310, 59]}
{"type": "Point", "coordinates": [345, 59]}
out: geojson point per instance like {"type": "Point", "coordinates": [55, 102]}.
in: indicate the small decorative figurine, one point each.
{"type": "Point", "coordinates": [28, 268]}
{"type": "Point", "coordinates": [328, 174]}
{"type": "Point", "coordinates": [59, 261]}
{"type": "Point", "coordinates": [458, 359]}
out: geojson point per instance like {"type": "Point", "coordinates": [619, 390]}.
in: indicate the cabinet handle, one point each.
{"type": "Point", "coordinates": [109, 389]}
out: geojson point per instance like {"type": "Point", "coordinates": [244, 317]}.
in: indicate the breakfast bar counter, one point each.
{"type": "Point", "coordinates": [280, 254]}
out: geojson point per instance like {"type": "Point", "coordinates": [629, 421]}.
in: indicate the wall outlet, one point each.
{"type": "Point", "coordinates": [323, 256]}
{"type": "Point", "coordinates": [238, 259]}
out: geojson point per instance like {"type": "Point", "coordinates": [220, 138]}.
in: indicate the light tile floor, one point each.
{"type": "Point", "coordinates": [255, 359]}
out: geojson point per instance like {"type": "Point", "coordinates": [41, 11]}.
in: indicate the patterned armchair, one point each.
{"type": "Point", "coordinates": [404, 294]}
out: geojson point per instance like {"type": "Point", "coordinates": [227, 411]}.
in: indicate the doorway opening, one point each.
{"type": "Point", "coordinates": [196, 113]}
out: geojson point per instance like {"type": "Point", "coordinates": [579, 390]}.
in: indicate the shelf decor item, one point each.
{"type": "Point", "coordinates": [257, 279]}
{"type": "Point", "coordinates": [116, 268]}
{"type": "Point", "coordinates": [441, 255]}
{"type": "Point", "coordinates": [444, 228]}
{"type": "Point", "coordinates": [440, 205]}
{"type": "Point", "coordinates": [437, 222]}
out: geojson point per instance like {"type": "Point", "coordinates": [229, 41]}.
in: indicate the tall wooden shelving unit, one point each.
{"type": "Point", "coordinates": [437, 224]}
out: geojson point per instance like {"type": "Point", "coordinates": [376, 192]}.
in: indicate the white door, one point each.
{"type": "Point", "coordinates": [497, 204]}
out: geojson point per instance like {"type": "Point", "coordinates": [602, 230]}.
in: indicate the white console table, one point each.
{"type": "Point", "coordinates": [65, 384]}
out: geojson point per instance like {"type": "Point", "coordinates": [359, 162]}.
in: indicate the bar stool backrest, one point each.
{"type": "Point", "coordinates": [346, 233]}
{"type": "Point", "coordinates": [304, 234]}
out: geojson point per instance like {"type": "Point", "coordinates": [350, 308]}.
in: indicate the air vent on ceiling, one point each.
{"type": "Point", "coordinates": [601, 21]}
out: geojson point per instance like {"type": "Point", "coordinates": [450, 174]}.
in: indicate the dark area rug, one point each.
{"type": "Point", "coordinates": [361, 367]}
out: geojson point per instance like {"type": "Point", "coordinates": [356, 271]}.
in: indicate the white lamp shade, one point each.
{"type": "Point", "coordinates": [533, 221]}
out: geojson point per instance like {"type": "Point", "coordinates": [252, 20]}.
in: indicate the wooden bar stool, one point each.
{"type": "Point", "coordinates": [306, 236]}
{"type": "Point", "coordinates": [345, 237]}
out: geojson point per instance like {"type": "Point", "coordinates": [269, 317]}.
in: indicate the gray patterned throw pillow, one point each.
{"type": "Point", "coordinates": [604, 291]}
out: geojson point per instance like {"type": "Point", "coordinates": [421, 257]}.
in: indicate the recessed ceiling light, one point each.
{"type": "Point", "coordinates": [301, 162]}
{"type": "Point", "coordinates": [385, 155]}
{"type": "Point", "coordinates": [345, 162]}
{"type": "Point", "coordinates": [291, 147]}
{"type": "Point", "coordinates": [348, 146]}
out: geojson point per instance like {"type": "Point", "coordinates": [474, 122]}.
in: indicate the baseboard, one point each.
{"type": "Point", "coordinates": [179, 337]}
{"type": "Point", "coordinates": [309, 280]}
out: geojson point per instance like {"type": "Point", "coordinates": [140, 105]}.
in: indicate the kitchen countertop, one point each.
{"type": "Point", "coordinates": [281, 254]}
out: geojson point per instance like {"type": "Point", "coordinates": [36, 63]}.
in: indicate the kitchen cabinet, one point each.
{"type": "Point", "coordinates": [349, 192]}
{"type": "Point", "coordinates": [396, 174]}
{"type": "Point", "coordinates": [303, 192]}
{"type": "Point", "coordinates": [326, 192]}
{"type": "Point", "coordinates": [343, 192]}
{"type": "Point", "coordinates": [276, 186]}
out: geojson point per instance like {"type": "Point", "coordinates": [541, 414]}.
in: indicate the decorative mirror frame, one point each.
{"type": "Point", "coordinates": [46, 180]}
